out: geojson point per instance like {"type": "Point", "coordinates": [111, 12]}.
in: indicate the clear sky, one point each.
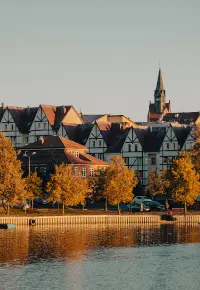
{"type": "Point", "coordinates": [100, 55]}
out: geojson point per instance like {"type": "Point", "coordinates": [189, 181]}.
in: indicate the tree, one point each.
{"type": "Point", "coordinates": [156, 182]}
{"type": "Point", "coordinates": [184, 181]}
{"type": "Point", "coordinates": [97, 183]}
{"type": "Point", "coordinates": [65, 187]}
{"type": "Point", "coordinates": [12, 185]}
{"type": "Point", "coordinates": [195, 153]}
{"type": "Point", "coordinates": [33, 185]}
{"type": "Point", "coordinates": [119, 182]}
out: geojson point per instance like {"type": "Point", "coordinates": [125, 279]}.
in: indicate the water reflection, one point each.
{"type": "Point", "coordinates": [29, 245]}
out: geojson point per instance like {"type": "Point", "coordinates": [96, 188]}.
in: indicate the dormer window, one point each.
{"type": "Point", "coordinates": [6, 127]}
{"type": "Point", "coordinates": [93, 143]}
{"type": "Point", "coordinates": [12, 127]}
{"type": "Point", "coordinates": [167, 146]}
{"type": "Point", "coordinates": [136, 148]}
{"type": "Point", "coordinates": [38, 125]}
{"type": "Point", "coordinates": [76, 154]}
{"type": "Point", "coordinates": [129, 147]}
{"type": "Point", "coordinates": [45, 125]}
{"type": "Point", "coordinates": [100, 143]}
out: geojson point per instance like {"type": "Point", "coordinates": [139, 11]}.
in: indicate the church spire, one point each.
{"type": "Point", "coordinates": [160, 86]}
{"type": "Point", "coordinates": [159, 94]}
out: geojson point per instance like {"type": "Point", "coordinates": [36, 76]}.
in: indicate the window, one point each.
{"type": "Point", "coordinates": [83, 172]}
{"type": "Point", "coordinates": [6, 127]}
{"type": "Point", "coordinates": [45, 125]}
{"type": "Point", "coordinates": [100, 143]}
{"type": "Point", "coordinates": [153, 161]}
{"type": "Point", "coordinates": [12, 127]}
{"type": "Point", "coordinates": [165, 160]}
{"type": "Point", "coordinates": [167, 146]}
{"type": "Point", "coordinates": [174, 144]}
{"type": "Point", "coordinates": [136, 148]}
{"type": "Point", "coordinates": [129, 147]}
{"type": "Point", "coordinates": [126, 160]}
{"type": "Point", "coordinates": [139, 161]}
{"type": "Point", "coordinates": [75, 171]}
{"type": "Point", "coordinates": [38, 125]}
{"type": "Point", "coordinates": [93, 143]}
{"type": "Point", "coordinates": [91, 171]}
{"type": "Point", "coordinates": [26, 140]}
{"type": "Point", "coordinates": [76, 154]}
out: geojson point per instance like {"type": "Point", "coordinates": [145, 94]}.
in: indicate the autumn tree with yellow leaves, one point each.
{"type": "Point", "coordinates": [12, 185]}
{"type": "Point", "coordinates": [33, 186]}
{"type": "Point", "coordinates": [64, 187]}
{"type": "Point", "coordinates": [97, 183]}
{"type": "Point", "coordinates": [119, 182]}
{"type": "Point", "coordinates": [195, 153]}
{"type": "Point", "coordinates": [183, 180]}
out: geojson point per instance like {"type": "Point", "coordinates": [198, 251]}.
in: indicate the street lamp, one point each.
{"type": "Point", "coordinates": [29, 161]}
{"type": "Point", "coordinates": [29, 165]}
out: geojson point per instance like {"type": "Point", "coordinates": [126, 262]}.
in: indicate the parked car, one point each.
{"type": "Point", "coordinates": [139, 199]}
{"type": "Point", "coordinates": [135, 207]}
{"type": "Point", "coordinates": [154, 205]}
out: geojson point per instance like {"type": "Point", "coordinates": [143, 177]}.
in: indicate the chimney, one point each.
{"type": "Point", "coordinates": [2, 105]}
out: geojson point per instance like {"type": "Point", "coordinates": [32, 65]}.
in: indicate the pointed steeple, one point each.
{"type": "Point", "coordinates": [160, 86]}
{"type": "Point", "coordinates": [159, 94]}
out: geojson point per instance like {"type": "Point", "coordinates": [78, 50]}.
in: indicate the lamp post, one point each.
{"type": "Point", "coordinates": [29, 166]}
{"type": "Point", "coordinates": [29, 161]}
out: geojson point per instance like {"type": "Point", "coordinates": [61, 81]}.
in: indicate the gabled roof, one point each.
{"type": "Point", "coordinates": [154, 139]}
{"type": "Point", "coordinates": [154, 116]}
{"type": "Point", "coordinates": [2, 109]}
{"type": "Point", "coordinates": [183, 118]}
{"type": "Point", "coordinates": [82, 133]}
{"type": "Point", "coordinates": [55, 142]}
{"type": "Point", "coordinates": [91, 118]}
{"type": "Point", "coordinates": [17, 115]}
{"type": "Point", "coordinates": [50, 112]}
{"type": "Point", "coordinates": [181, 133]}
{"type": "Point", "coordinates": [116, 142]}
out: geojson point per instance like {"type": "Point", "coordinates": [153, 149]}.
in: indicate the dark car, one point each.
{"type": "Point", "coordinates": [154, 205]}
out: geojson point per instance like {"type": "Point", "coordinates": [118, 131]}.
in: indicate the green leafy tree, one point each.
{"type": "Point", "coordinates": [65, 187]}
{"type": "Point", "coordinates": [33, 185]}
{"type": "Point", "coordinates": [119, 182]}
{"type": "Point", "coordinates": [12, 185]}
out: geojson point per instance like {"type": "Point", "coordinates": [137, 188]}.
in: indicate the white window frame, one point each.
{"type": "Point", "coordinates": [84, 172]}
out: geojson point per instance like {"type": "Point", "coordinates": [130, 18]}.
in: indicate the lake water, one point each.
{"type": "Point", "coordinates": [101, 257]}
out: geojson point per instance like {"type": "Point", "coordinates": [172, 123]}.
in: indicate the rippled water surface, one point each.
{"type": "Point", "coordinates": [101, 257]}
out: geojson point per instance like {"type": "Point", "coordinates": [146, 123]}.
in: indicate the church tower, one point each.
{"type": "Point", "coordinates": [159, 94]}
{"type": "Point", "coordinates": [159, 108]}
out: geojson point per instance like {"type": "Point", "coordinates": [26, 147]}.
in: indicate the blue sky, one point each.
{"type": "Point", "coordinates": [100, 55]}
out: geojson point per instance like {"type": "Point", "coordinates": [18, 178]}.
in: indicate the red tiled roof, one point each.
{"type": "Point", "coordinates": [55, 142]}
{"type": "Point", "coordinates": [50, 113]}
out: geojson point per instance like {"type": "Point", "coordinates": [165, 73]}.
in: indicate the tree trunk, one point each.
{"type": "Point", "coordinates": [118, 208]}
{"type": "Point", "coordinates": [106, 204]}
{"type": "Point", "coordinates": [185, 208]}
{"type": "Point", "coordinates": [8, 209]}
{"type": "Point", "coordinates": [63, 208]}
